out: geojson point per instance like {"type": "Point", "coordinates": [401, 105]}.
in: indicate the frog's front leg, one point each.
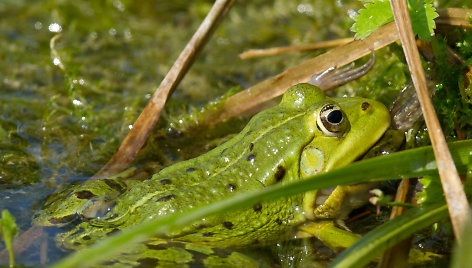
{"type": "Point", "coordinates": [342, 200]}
{"type": "Point", "coordinates": [332, 236]}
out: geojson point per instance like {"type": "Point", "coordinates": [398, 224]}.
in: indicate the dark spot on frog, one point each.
{"type": "Point", "coordinates": [210, 234]}
{"type": "Point", "coordinates": [87, 237]}
{"type": "Point", "coordinates": [224, 150]}
{"type": "Point", "coordinates": [166, 198]}
{"type": "Point", "coordinates": [190, 169]}
{"type": "Point", "coordinates": [251, 146]}
{"type": "Point", "coordinates": [77, 244]}
{"type": "Point", "coordinates": [114, 231]}
{"type": "Point", "coordinates": [147, 262]}
{"type": "Point", "coordinates": [251, 157]}
{"type": "Point", "coordinates": [278, 221]}
{"type": "Point", "coordinates": [365, 106]}
{"type": "Point", "coordinates": [197, 258]}
{"type": "Point", "coordinates": [228, 225]}
{"type": "Point", "coordinates": [231, 187]}
{"type": "Point", "coordinates": [84, 194]}
{"type": "Point", "coordinates": [65, 219]}
{"type": "Point", "coordinates": [114, 185]}
{"type": "Point", "coordinates": [279, 174]}
{"type": "Point", "coordinates": [257, 207]}
{"type": "Point", "coordinates": [248, 133]}
{"type": "Point", "coordinates": [165, 181]}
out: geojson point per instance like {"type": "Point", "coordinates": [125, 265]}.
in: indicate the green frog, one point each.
{"type": "Point", "coordinates": [306, 134]}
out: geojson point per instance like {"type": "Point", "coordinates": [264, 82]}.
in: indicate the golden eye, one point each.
{"type": "Point", "coordinates": [332, 121]}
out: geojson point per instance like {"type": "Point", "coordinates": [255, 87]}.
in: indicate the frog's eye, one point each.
{"type": "Point", "coordinates": [332, 121]}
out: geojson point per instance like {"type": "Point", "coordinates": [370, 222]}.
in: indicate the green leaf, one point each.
{"type": "Point", "coordinates": [378, 12]}
{"type": "Point", "coordinates": [372, 16]}
{"type": "Point", "coordinates": [422, 14]}
{"type": "Point", "coordinates": [468, 180]}
{"type": "Point", "coordinates": [8, 230]}
{"type": "Point", "coordinates": [410, 163]}
{"type": "Point", "coordinates": [432, 190]}
{"type": "Point", "coordinates": [388, 234]}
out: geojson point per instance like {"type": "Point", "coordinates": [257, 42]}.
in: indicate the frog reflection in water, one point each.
{"type": "Point", "coordinates": [306, 134]}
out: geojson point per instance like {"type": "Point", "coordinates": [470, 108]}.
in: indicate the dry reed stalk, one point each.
{"type": "Point", "coordinates": [451, 183]}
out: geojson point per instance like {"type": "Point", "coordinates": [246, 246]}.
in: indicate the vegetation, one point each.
{"type": "Point", "coordinates": [65, 109]}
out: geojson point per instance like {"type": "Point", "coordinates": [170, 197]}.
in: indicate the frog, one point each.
{"type": "Point", "coordinates": [306, 134]}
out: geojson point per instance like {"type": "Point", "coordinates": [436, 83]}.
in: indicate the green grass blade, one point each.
{"type": "Point", "coordinates": [411, 163]}
{"type": "Point", "coordinates": [388, 234]}
{"type": "Point", "coordinates": [461, 257]}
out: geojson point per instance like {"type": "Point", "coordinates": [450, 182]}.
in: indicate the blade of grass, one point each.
{"type": "Point", "coordinates": [149, 116]}
{"type": "Point", "coordinates": [452, 186]}
{"type": "Point", "coordinates": [461, 257]}
{"type": "Point", "coordinates": [411, 163]}
{"type": "Point", "coordinates": [384, 236]}
{"type": "Point", "coordinates": [397, 255]}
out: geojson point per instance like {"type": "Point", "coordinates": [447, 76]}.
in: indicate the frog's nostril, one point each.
{"type": "Point", "coordinates": [84, 194]}
{"type": "Point", "coordinates": [365, 106]}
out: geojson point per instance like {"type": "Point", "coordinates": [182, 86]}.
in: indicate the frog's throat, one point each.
{"type": "Point", "coordinates": [352, 149]}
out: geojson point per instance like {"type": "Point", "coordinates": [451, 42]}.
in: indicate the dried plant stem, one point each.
{"type": "Point", "coordinates": [148, 118]}
{"type": "Point", "coordinates": [276, 85]}
{"type": "Point", "coordinates": [253, 53]}
{"type": "Point", "coordinates": [339, 56]}
{"type": "Point", "coordinates": [397, 255]}
{"type": "Point", "coordinates": [458, 17]}
{"type": "Point", "coordinates": [253, 96]}
{"type": "Point", "coordinates": [451, 183]}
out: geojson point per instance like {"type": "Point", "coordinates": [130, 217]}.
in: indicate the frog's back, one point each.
{"type": "Point", "coordinates": [266, 152]}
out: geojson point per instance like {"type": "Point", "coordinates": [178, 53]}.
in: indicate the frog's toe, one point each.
{"type": "Point", "coordinates": [342, 224]}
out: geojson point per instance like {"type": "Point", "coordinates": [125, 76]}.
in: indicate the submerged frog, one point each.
{"type": "Point", "coordinates": [306, 134]}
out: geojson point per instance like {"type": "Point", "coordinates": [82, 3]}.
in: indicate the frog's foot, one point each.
{"type": "Point", "coordinates": [332, 236]}
{"type": "Point", "coordinates": [342, 224]}
{"type": "Point", "coordinates": [333, 78]}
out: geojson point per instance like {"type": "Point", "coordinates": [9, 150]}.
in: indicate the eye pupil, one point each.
{"type": "Point", "coordinates": [335, 117]}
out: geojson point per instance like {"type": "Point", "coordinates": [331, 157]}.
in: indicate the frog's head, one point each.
{"type": "Point", "coordinates": [344, 130]}
{"type": "Point", "coordinates": [88, 200]}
